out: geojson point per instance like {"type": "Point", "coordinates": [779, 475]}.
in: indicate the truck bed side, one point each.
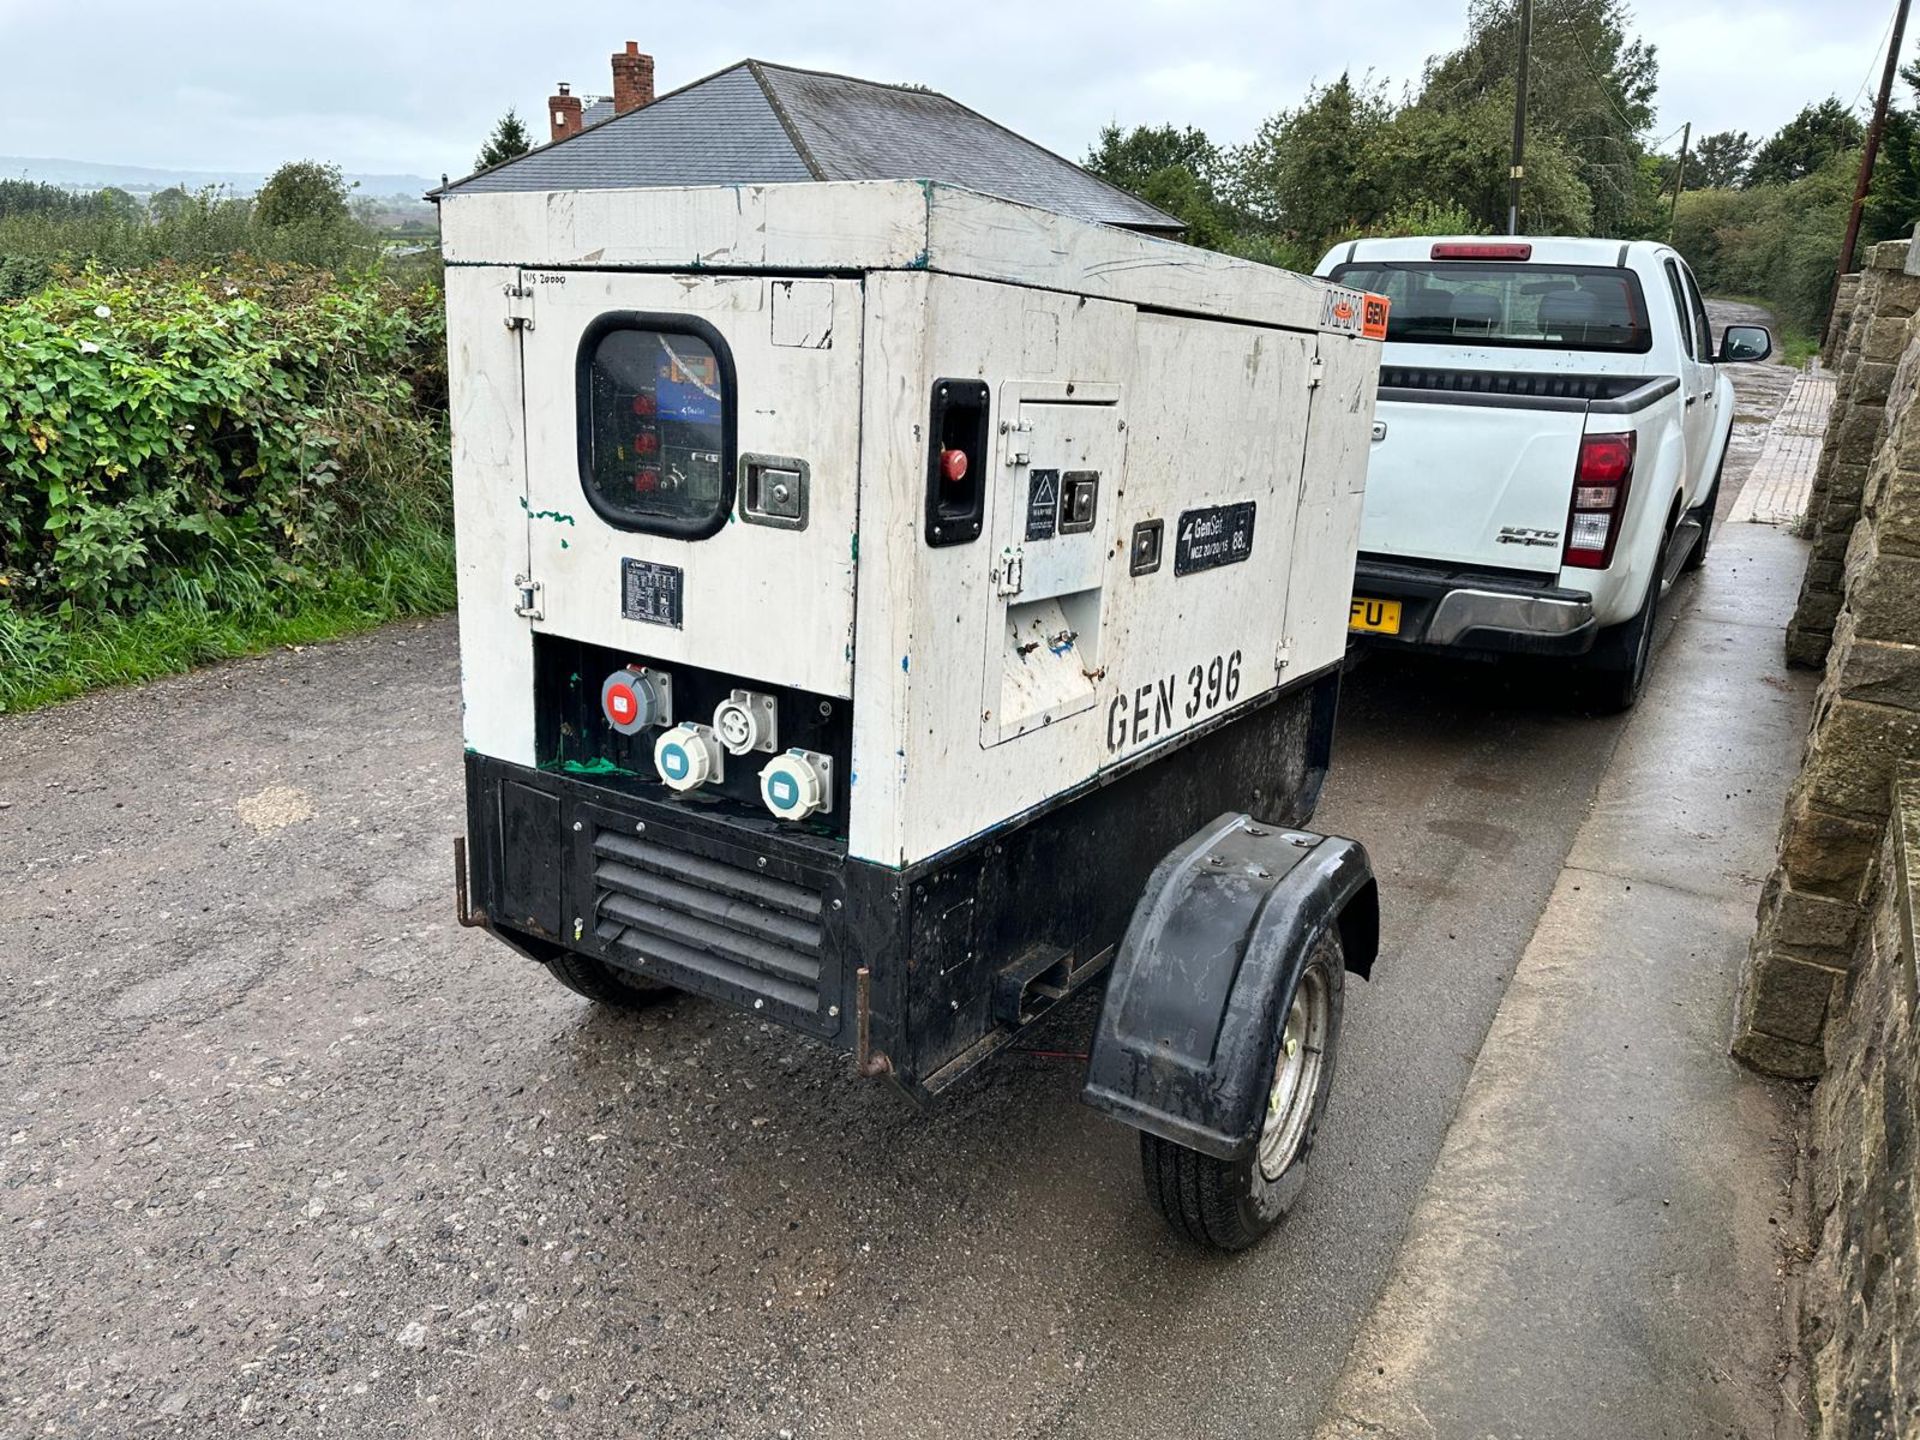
{"type": "Point", "coordinates": [1476, 467]}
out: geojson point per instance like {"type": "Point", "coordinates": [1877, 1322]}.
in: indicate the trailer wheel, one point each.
{"type": "Point", "coordinates": [1228, 1205]}
{"type": "Point", "coordinates": [604, 983]}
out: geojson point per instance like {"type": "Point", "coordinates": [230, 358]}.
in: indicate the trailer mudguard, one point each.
{"type": "Point", "coordinates": [1189, 1030]}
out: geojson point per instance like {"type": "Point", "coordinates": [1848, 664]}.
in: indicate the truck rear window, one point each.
{"type": "Point", "coordinates": [1494, 304]}
{"type": "Point", "coordinates": [656, 424]}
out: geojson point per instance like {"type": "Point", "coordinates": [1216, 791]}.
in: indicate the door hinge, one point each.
{"type": "Point", "coordinates": [527, 597]}
{"type": "Point", "coordinates": [1019, 441]}
{"type": "Point", "coordinates": [1315, 370]}
{"type": "Point", "coordinates": [519, 306]}
{"type": "Point", "coordinates": [1011, 573]}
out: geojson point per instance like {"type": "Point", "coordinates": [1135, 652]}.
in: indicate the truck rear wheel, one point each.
{"type": "Point", "coordinates": [604, 983]}
{"type": "Point", "coordinates": [1624, 655]}
{"type": "Point", "coordinates": [1230, 1204]}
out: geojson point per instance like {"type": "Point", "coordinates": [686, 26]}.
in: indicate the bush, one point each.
{"type": "Point", "coordinates": [232, 447]}
{"type": "Point", "coordinates": [210, 228]}
{"type": "Point", "coordinates": [1777, 242]}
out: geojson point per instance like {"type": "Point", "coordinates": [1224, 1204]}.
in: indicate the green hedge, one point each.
{"type": "Point", "coordinates": [1776, 242]}
{"type": "Point", "coordinates": [236, 457]}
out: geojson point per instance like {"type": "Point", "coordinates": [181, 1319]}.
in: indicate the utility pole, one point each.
{"type": "Point", "coordinates": [1894, 44]}
{"type": "Point", "coordinates": [1679, 178]}
{"type": "Point", "coordinates": [1519, 168]}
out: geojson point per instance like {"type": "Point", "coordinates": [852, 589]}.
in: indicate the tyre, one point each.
{"type": "Point", "coordinates": [1620, 661]}
{"type": "Point", "coordinates": [1228, 1205]}
{"type": "Point", "coordinates": [1698, 556]}
{"type": "Point", "coordinates": [604, 983]}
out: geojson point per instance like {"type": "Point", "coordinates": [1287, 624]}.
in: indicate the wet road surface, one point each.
{"type": "Point", "coordinates": [283, 1147]}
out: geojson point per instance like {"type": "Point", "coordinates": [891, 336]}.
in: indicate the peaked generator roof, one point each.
{"type": "Point", "coordinates": [756, 123]}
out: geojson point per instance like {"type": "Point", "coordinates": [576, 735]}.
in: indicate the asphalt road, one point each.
{"type": "Point", "coordinates": [283, 1147]}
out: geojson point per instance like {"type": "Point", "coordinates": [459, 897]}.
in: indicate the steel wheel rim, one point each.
{"type": "Point", "coordinates": [1296, 1075]}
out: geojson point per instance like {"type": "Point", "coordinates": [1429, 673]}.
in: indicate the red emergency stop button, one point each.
{"type": "Point", "coordinates": [953, 465]}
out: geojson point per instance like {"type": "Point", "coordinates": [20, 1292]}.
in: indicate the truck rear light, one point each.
{"type": "Point", "coordinates": [1481, 250]}
{"type": "Point", "coordinates": [1601, 477]}
{"type": "Point", "coordinates": [1605, 459]}
{"type": "Point", "coordinates": [1589, 533]}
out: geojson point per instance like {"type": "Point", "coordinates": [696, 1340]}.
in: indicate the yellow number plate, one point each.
{"type": "Point", "coordinates": [1374, 617]}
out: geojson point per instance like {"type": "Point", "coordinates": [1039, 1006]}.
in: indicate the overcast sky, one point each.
{"type": "Point", "coordinates": [412, 86]}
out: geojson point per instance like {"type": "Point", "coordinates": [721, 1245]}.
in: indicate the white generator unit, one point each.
{"type": "Point", "coordinates": [886, 608]}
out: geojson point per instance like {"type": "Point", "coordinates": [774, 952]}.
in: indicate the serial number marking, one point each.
{"type": "Point", "coordinates": [546, 279]}
{"type": "Point", "coordinates": [1148, 711]}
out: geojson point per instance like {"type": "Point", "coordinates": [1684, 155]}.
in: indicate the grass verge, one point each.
{"type": "Point", "coordinates": [197, 618]}
{"type": "Point", "coordinates": [1797, 347]}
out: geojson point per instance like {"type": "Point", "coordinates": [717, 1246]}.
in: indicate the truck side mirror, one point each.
{"type": "Point", "coordinates": [1743, 344]}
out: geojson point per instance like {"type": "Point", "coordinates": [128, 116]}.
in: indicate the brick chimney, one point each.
{"type": "Point", "coordinates": [632, 79]}
{"type": "Point", "coordinates": [563, 112]}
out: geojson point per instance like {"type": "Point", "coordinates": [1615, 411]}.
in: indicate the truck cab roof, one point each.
{"type": "Point", "coordinates": [1542, 249]}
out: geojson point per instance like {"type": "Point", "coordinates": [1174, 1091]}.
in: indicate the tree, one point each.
{"type": "Point", "coordinates": [1457, 157]}
{"type": "Point", "coordinates": [509, 139]}
{"type": "Point", "coordinates": [1805, 143]}
{"type": "Point", "coordinates": [1893, 199]}
{"type": "Point", "coordinates": [301, 192]}
{"type": "Point", "coordinates": [116, 204]}
{"type": "Point", "coordinates": [36, 197]}
{"type": "Point", "coordinates": [1129, 160]}
{"type": "Point", "coordinates": [1176, 170]}
{"type": "Point", "coordinates": [1719, 161]}
{"type": "Point", "coordinates": [170, 203]}
{"type": "Point", "coordinates": [1321, 169]}
{"type": "Point", "coordinates": [1591, 89]}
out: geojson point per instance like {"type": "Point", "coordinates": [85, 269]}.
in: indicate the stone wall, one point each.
{"type": "Point", "coordinates": [1860, 1304]}
{"type": "Point", "coordinates": [1837, 323]}
{"type": "Point", "coordinates": [1877, 330]}
{"type": "Point", "coordinates": [1866, 719]}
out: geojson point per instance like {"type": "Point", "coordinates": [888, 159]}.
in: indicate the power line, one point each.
{"type": "Point", "coordinates": [1868, 152]}
{"type": "Point", "coordinates": [1866, 81]}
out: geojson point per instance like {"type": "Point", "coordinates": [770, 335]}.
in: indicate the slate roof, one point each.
{"type": "Point", "coordinates": [756, 123]}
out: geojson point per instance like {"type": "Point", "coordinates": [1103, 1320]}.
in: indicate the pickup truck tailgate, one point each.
{"type": "Point", "coordinates": [1475, 484]}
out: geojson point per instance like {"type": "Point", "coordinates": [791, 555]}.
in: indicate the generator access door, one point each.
{"type": "Point", "coordinates": [1048, 614]}
{"type": "Point", "coordinates": [692, 453]}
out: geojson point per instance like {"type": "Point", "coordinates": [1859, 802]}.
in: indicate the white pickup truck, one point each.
{"type": "Point", "coordinates": [1547, 446]}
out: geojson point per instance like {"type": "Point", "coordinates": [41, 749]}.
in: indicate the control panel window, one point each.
{"type": "Point", "coordinates": [656, 420]}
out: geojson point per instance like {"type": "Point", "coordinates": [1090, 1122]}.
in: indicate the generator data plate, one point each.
{"type": "Point", "coordinates": [652, 593]}
{"type": "Point", "coordinates": [1218, 535]}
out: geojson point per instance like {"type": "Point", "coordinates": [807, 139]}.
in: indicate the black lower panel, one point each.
{"type": "Point", "coordinates": [963, 949]}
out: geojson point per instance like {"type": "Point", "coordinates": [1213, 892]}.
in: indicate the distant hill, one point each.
{"type": "Point", "coordinates": [141, 179]}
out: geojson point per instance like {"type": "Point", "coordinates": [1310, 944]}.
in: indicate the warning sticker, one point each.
{"type": "Point", "coordinates": [650, 592]}
{"type": "Point", "coordinates": [1043, 504]}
